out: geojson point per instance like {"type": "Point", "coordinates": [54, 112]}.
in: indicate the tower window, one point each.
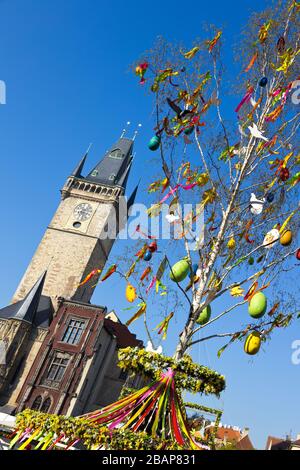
{"type": "Point", "coordinates": [112, 177]}
{"type": "Point", "coordinates": [74, 331]}
{"type": "Point", "coordinates": [58, 367]}
{"type": "Point", "coordinates": [117, 154]}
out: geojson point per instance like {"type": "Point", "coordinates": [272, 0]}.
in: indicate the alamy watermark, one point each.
{"type": "Point", "coordinates": [2, 92]}
{"type": "Point", "coordinates": [296, 93]}
{"type": "Point", "coordinates": [160, 221]}
{"type": "Point", "coordinates": [296, 353]}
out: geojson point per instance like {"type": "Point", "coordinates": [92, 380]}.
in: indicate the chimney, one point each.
{"type": "Point", "coordinates": [245, 432]}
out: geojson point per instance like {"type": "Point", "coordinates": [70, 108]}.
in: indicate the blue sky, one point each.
{"type": "Point", "coordinates": [66, 68]}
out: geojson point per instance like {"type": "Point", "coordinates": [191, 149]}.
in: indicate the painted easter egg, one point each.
{"type": "Point", "coordinates": [231, 243]}
{"type": "Point", "coordinates": [180, 270]}
{"type": "Point", "coordinates": [204, 316]}
{"type": "Point", "coordinates": [284, 174]}
{"type": "Point", "coordinates": [271, 237]}
{"type": "Point", "coordinates": [147, 255]}
{"type": "Point", "coordinates": [257, 305]}
{"type": "Point", "coordinates": [298, 254]}
{"type": "Point", "coordinates": [154, 143]}
{"type": "Point", "coordinates": [189, 130]}
{"type": "Point", "coordinates": [263, 81]}
{"type": "Point", "coordinates": [251, 260]}
{"type": "Point", "coordinates": [270, 197]}
{"type": "Point", "coordinates": [286, 238]}
{"type": "Point", "coordinates": [152, 247]}
{"type": "Point", "coordinates": [252, 343]}
{"type": "Point", "coordinates": [130, 293]}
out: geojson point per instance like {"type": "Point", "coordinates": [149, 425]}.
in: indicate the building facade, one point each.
{"type": "Point", "coordinates": [61, 350]}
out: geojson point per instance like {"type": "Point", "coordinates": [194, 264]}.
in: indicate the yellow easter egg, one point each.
{"type": "Point", "coordinates": [231, 243]}
{"type": "Point", "coordinates": [286, 238]}
{"type": "Point", "coordinates": [130, 293]}
{"type": "Point", "coordinates": [252, 343]}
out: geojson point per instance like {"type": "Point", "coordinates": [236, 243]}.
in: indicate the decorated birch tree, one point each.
{"type": "Point", "coordinates": [245, 178]}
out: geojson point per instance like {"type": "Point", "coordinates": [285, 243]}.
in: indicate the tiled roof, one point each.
{"type": "Point", "coordinates": [229, 434]}
{"type": "Point", "coordinates": [277, 443]}
{"type": "Point", "coordinates": [245, 444]}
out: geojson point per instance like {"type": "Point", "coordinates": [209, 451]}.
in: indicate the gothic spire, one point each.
{"type": "Point", "coordinates": [28, 306]}
{"type": "Point", "coordinates": [131, 198]}
{"type": "Point", "coordinates": [78, 169]}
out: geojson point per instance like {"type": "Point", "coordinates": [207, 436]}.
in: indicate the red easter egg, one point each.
{"type": "Point", "coordinates": [298, 254]}
{"type": "Point", "coordinates": [152, 247]}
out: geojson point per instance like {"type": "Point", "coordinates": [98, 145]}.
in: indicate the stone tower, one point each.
{"type": "Point", "coordinates": [76, 242]}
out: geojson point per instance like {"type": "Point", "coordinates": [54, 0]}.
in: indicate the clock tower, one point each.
{"type": "Point", "coordinates": [77, 240]}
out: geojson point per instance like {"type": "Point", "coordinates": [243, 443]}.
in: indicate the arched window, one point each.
{"type": "Point", "coordinates": [36, 403]}
{"type": "Point", "coordinates": [46, 405]}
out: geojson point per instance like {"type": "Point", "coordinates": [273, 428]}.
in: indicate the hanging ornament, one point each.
{"type": "Point", "coordinates": [251, 63]}
{"type": "Point", "coordinates": [263, 82]}
{"type": "Point", "coordinates": [180, 270]}
{"type": "Point", "coordinates": [130, 293]}
{"type": "Point", "coordinates": [271, 238]}
{"type": "Point", "coordinates": [111, 270]}
{"type": "Point", "coordinates": [251, 260]}
{"type": "Point", "coordinates": [245, 99]}
{"type": "Point", "coordinates": [190, 54]}
{"type": "Point", "coordinates": [231, 244]}
{"type": "Point", "coordinates": [256, 205]}
{"type": "Point", "coordinates": [89, 276]}
{"type": "Point", "coordinates": [237, 291]}
{"type": "Point", "coordinates": [204, 316]}
{"type": "Point", "coordinates": [147, 255]}
{"type": "Point", "coordinates": [252, 343]}
{"type": "Point", "coordinates": [152, 247]}
{"type": "Point", "coordinates": [189, 130]}
{"type": "Point", "coordinates": [257, 305]}
{"type": "Point", "coordinates": [280, 45]}
{"type": "Point", "coordinates": [163, 326]}
{"type": "Point", "coordinates": [145, 273]}
{"type": "Point", "coordinates": [255, 132]}
{"type": "Point", "coordinates": [286, 238]}
{"type": "Point", "coordinates": [284, 174]}
{"type": "Point", "coordinates": [154, 142]}
{"type": "Point", "coordinates": [138, 314]}
{"type": "Point", "coordinates": [212, 43]}
{"type": "Point", "coordinates": [270, 197]}
{"type": "Point", "coordinates": [140, 70]}
{"type": "Point", "coordinates": [298, 254]}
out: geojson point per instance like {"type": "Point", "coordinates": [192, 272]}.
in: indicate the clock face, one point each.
{"type": "Point", "coordinates": [83, 211]}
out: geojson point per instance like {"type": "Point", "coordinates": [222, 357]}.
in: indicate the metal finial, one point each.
{"type": "Point", "coordinates": [89, 148]}
{"type": "Point", "coordinates": [125, 129]}
{"type": "Point", "coordinates": [136, 131]}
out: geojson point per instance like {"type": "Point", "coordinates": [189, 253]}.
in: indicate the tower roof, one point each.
{"type": "Point", "coordinates": [114, 168]}
{"type": "Point", "coordinates": [32, 306]}
{"type": "Point", "coordinates": [78, 169]}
